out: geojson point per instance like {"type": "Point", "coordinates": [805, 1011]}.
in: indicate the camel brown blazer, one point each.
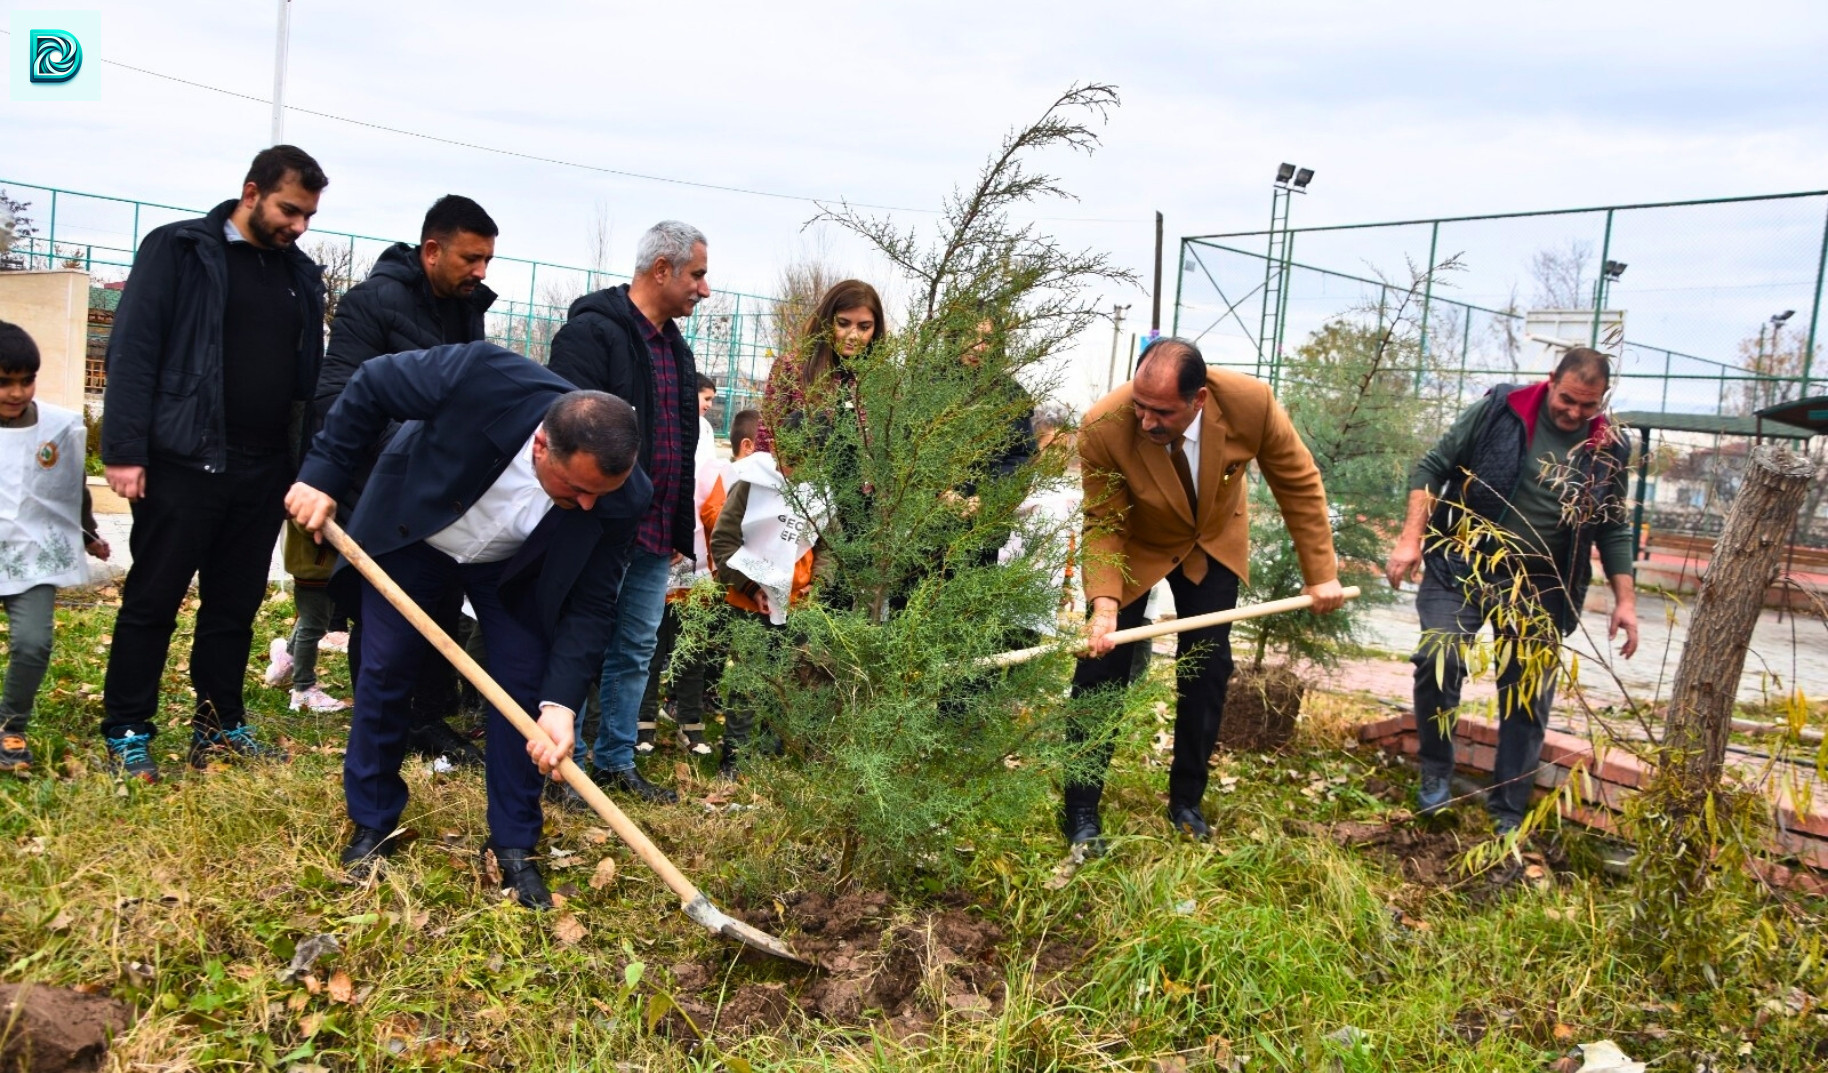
{"type": "Point", "coordinates": [1138, 524]}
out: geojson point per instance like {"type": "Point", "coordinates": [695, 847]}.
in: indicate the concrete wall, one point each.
{"type": "Point", "coordinates": [54, 308]}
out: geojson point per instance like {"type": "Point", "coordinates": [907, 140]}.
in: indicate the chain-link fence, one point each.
{"type": "Point", "coordinates": [1710, 306]}
{"type": "Point", "coordinates": [732, 335]}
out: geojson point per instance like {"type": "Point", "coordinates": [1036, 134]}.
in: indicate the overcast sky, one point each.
{"type": "Point", "coordinates": [1403, 109]}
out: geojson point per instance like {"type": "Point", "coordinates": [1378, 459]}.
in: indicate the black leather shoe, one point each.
{"type": "Point", "coordinates": [365, 850]}
{"type": "Point", "coordinates": [1186, 819]}
{"type": "Point", "coordinates": [1082, 829]}
{"type": "Point", "coordinates": [437, 738]}
{"type": "Point", "coordinates": [521, 875]}
{"type": "Point", "coordinates": [629, 781]}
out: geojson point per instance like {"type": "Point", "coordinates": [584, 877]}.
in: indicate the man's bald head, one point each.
{"type": "Point", "coordinates": [1169, 389]}
{"type": "Point", "coordinates": [1173, 364]}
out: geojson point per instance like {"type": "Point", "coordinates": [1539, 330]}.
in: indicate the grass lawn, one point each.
{"type": "Point", "coordinates": [1321, 929]}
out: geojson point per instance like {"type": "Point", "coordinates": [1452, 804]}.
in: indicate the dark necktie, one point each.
{"type": "Point", "coordinates": [1193, 567]}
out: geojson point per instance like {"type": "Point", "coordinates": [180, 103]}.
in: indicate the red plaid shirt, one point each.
{"type": "Point", "coordinates": [667, 468]}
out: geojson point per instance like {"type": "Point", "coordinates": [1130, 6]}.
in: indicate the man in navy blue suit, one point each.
{"type": "Point", "coordinates": [466, 491]}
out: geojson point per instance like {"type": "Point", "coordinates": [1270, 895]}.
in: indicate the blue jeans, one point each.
{"type": "Point", "coordinates": [639, 605]}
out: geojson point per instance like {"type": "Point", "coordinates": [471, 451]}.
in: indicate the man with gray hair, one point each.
{"type": "Point", "coordinates": [623, 340]}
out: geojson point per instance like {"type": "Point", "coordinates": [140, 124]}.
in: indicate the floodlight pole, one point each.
{"type": "Point", "coordinates": [281, 46]}
{"type": "Point", "coordinates": [1110, 376]}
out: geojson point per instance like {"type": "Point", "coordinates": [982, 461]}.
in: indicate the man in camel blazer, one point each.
{"type": "Point", "coordinates": [1141, 527]}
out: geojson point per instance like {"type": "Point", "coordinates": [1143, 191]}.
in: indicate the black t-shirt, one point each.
{"type": "Point", "coordinates": [454, 320]}
{"type": "Point", "coordinates": [262, 322]}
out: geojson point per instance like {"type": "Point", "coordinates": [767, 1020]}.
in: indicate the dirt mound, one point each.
{"type": "Point", "coordinates": [878, 963]}
{"type": "Point", "coordinates": [1422, 854]}
{"type": "Point", "coordinates": [50, 1030]}
{"type": "Point", "coordinates": [1261, 705]}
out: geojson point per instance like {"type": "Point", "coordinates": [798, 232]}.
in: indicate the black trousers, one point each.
{"type": "Point", "coordinates": [221, 529]}
{"type": "Point", "coordinates": [1202, 671]}
{"type": "Point", "coordinates": [438, 694]}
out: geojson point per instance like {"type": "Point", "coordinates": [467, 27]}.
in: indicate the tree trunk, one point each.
{"type": "Point", "coordinates": [1745, 563]}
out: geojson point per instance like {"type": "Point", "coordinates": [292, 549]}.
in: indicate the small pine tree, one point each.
{"type": "Point", "coordinates": [894, 740]}
{"type": "Point", "coordinates": [1355, 397]}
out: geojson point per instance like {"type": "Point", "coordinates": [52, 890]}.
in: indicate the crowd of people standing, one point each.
{"type": "Point", "coordinates": [551, 514]}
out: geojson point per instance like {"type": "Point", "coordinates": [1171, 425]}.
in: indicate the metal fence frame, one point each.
{"type": "Point", "coordinates": [730, 333]}
{"type": "Point", "coordinates": [1278, 261]}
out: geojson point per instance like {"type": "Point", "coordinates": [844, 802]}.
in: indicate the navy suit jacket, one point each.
{"type": "Point", "coordinates": [466, 410]}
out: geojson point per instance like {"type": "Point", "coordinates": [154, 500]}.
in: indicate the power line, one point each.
{"type": "Point", "coordinates": [554, 160]}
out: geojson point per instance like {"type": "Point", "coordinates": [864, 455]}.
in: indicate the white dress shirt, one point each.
{"type": "Point", "coordinates": [501, 519]}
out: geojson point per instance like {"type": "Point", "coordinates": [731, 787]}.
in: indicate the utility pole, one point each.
{"type": "Point", "coordinates": [280, 48]}
{"type": "Point", "coordinates": [1155, 308]}
{"type": "Point", "coordinates": [1110, 377]}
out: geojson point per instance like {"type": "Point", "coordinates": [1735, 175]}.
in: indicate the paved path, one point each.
{"type": "Point", "coordinates": [115, 529]}
{"type": "Point", "coordinates": [1793, 651]}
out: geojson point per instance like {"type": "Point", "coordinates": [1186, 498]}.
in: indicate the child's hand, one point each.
{"type": "Point", "coordinates": [98, 548]}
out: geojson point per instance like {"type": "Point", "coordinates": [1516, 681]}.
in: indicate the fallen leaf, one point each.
{"type": "Point", "coordinates": [298, 1001]}
{"type": "Point", "coordinates": [311, 982]}
{"type": "Point", "coordinates": [342, 988]}
{"type": "Point", "coordinates": [1604, 1056]}
{"type": "Point", "coordinates": [306, 953]}
{"type": "Point", "coordinates": [568, 929]}
{"type": "Point", "coordinates": [1563, 1033]}
{"type": "Point", "coordinates": [604, 875]}
{"type": "Point", "coordinates": [61, 922]}
{"type": "Point", "coordinates": [308, 1024]}
{"type": "Point", "coordinates": [682, 771]}
{"type": "Point", "coordinates": [596, 836]}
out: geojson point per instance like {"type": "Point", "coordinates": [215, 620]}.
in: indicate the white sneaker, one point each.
{"type": "Point", "coordinates": [337, 641]}
{"type": "Point", "coordinates": [316, 700]}
{"type": "Point", "coordinates": [280, 666]}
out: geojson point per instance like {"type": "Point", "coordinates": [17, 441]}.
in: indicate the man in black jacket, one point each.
{"type": "Point", "coordinates": [413, 299]}
{"type": "Point", "coordinates": [522, 491]}
{"type": "Point", "coordinates": [622, 340]}
{"type": "Point", "coordinates": [214, 353]}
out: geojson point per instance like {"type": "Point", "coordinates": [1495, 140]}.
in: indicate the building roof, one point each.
{"type": "Point", "coordinates": [1715, 424]}
{"type": "Point", "coordinates": [1810, 413]}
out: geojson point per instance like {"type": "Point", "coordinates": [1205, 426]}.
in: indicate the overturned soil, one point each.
{"type": "Point", "coordinates": [1422, 854]}
{"type": "Point", "coordinates": [1261, 706]}
{"type": "Point", "coordinates": [879, 963]}
{"type": "Point", "coordinates": [51, 1030]}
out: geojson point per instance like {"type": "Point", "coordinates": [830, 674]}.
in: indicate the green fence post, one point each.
{"type": "Point", "coordinates": [1421, 363]}
{"type": "Point", "coordinates": [1599, 286]}
{"type": "Point", "coordinates": [1815, 311]}
{"type": "Point", "coordinates": [532, 282]}
{"type": "Point", "coordinates": [1180, 277]}
{"type": "Point", "coordinates": [136, 228]}
{"type": "Point", "coordinates": [52, 262]}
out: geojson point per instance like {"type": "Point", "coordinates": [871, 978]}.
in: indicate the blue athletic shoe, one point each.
{"type": "Point", "coordinates": [131, 755]}
{"type": "Point", "coordinates": [231, 744]}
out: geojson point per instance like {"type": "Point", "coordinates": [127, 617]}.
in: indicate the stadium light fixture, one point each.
{"type": "Point", "coordinates": [1779, 318]}
{"type": "Point", "coordinates": [1285, 173]}
{"type": "Point", "coordinates": [1614, 269]}
{"type": "Point", "coordinates": [1302, 177]}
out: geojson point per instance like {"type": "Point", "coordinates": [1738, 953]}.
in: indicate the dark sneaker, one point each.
{"type": "Point", "coordinates": [131, 755]}
{"type": "Point", "coordinates": [15, 754]}
{"type": "Point", "coordinates": [692, 739]}
{"type": "Point", "coordinates": [1433, 796]}
{"type": "Point", "coordinates": [437, 738]}
{"type": "Point", "coordinates": [365, 851]}
{"type": "Point", "coordinates": [231, 744]}
{"type": "Point", "coordinates": [1084, 833]}
{"type": "Point", "coordinates": [1187, 819]}
{"type": "Point", "coordinates": [629, 781]}
{"type": "Point", "coordinates": [644, 738]}
{"type": "Point", "coordinates": [520, 875]}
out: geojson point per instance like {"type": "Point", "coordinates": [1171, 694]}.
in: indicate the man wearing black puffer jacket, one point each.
{"type": "Point", "coordinates": [623, 340]}
{"type": "Point", "coordinates": [214, 353]}
{"type": "Point", "coordinates": [415, 298]}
